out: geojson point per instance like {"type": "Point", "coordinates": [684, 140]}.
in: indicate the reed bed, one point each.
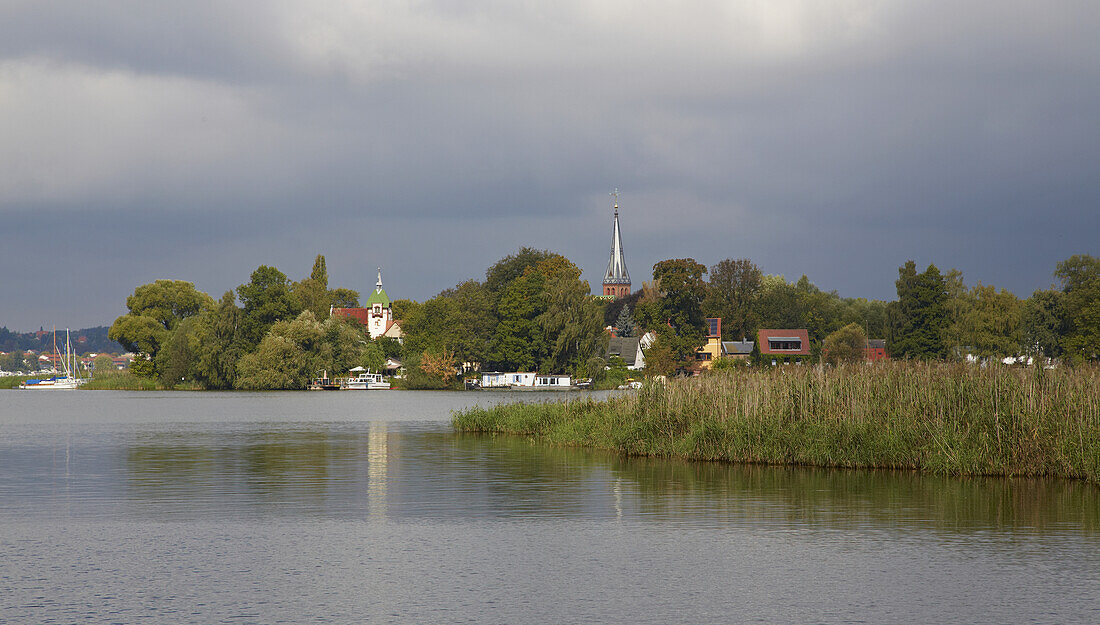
{"type": "Point", "coordinates": [945, 419]}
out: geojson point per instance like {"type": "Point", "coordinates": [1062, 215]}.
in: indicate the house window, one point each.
{"type": "Point", "coordinates": [777, 345]}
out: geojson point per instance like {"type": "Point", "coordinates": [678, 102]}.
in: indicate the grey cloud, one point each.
{"type": "Point", "coordinates": [834, 139]}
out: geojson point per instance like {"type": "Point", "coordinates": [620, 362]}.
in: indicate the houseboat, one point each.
{"type": "Point", "coordinates": [525, 381]}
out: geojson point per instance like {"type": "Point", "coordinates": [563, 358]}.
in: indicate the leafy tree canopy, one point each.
{"type": "Point", "coordinates": [731, 294]}
{"type": "Point", "coordinates": [1080, 277]}
{"type": "Point", "coordinates": [507, 269]}
{"type": "Point", "coordinates": [345, 298]}
{"type": "Point", "coordinates": [846, 345]}
{"type": "Point", "coordinates": [917, 317]}
{"type": "Point", "coordinates": [168, 301]}
{"type": "Point", "coordinates": [266, 299]}
{"type": "Point", "coordinates": [682, 291]}
{"type": "Point", "coordinates": [220, 344]}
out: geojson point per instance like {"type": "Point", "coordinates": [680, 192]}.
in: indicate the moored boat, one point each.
{"type": "Point", "coordinates": [67, 382]}
{"type": "Point", "coordinates": [364, 380]}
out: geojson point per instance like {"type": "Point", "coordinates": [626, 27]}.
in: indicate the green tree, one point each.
{"type": "Point", "coordinates": [283, 359]}
{"type": "Point", "coordinates": [508, 269]}
{"type": "Point", "coordinates": [731, 294]}
{"type": "Point", "coordinates": [178, 359]}
{"type": "Point", "coordinates": [778, 304]}
{"type": "Point", "coordinates": [624, 325]}
{"type": "Point", "coordinates": [138, 333]}
{"type": "Point", "coordinates": [647, 308]}
{"type": "Point", "coordinates": [846, 345]}
{"type": "Point", "coordinates": [616, 372]}
{"type": "Point", "coordinates": [103, 365]}
{"type": "Point", "coordinates": [154, 312]}
{"type": "Point", "coordinates": [870, 314]}
{"type": "Point", "coordinates": [373, 358]}
{"type": "Point", "coordinates": [168, 302]}
{"type": "Point", "coordinates": [917, 317]}
{"type": "Point", "coordinates": [660, 360]}
{"type": "Point", "coordinates": [342, 345]}
{"type": "Point", "coordinates": [518, 343]}
{"type": "Point", "coordinates": [220, 344]}
{"type": "Point", "coordinates": [682, 291]}
{"type": "Point", "coordinates": [13, 361]}
{"type": "Point", "coordinates": [266, 299]}
{"type": "Point", "coordinates": [956, 306]}
{"type": "Point", "coordinates": [1043, 324]}
{"type": "Point", "coordinates": [461, 320]}
{"type": "Point", "coordinates": [572, 322]}
{"type": "Point", "coordinates": [312, 294]}
{"type": "Point", "coordinates": [344, 298]}
{"type": "Point", "coordinates": [991, 322]}
{"type": "Point", "coordinates": [403, 309]}
{"type": "Point", "coordinates": [1080, 277]}
{"type": "Point", "coordinates": [391, 347]}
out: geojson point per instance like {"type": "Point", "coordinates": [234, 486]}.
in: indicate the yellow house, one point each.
{"type": "Point", "coordinates": [712, 349]}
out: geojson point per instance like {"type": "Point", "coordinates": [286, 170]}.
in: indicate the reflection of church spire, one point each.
{"type": "Point", "coordinates": [377, 468]}
{"type": "Point", "coordinates": [616, 280]}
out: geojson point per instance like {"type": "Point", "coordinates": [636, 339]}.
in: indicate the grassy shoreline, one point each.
{"type": "Point", "coordinates": [944, 419]}
{"type": "Point", "coordinates": [121, 381]}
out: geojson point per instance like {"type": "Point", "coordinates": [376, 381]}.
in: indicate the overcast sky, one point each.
{"type": "Point", "coordinates": [837, 138]}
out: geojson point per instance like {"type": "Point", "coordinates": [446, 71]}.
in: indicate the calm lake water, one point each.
{"type": "Point", "coordinates": [366, 507]}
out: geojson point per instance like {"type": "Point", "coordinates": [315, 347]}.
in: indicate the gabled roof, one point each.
{"type": "Point", "coordinates": [625, 347]}
{"type": "Point", "coordinates": [801, 335]}
{"type": "Point", "coordinates": [393, 330]}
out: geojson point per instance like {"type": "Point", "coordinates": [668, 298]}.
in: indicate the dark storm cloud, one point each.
{"type": "Point", "coordinates": [198, 140]}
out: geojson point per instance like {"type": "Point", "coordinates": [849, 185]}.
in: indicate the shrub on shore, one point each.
{"type": "Point", "coordinates": [952, 419]}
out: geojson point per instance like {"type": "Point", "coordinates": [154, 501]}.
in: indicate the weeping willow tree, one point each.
{"type": "Point", "coordinates": [572, 322]}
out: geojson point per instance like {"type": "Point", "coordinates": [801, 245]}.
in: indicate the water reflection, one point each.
{"type": "Point", "coordinates": [382, 470]}
{"type": "Point", "coordinates": [378, 456]}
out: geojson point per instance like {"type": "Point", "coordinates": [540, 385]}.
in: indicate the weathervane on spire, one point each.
{"type": "Point", "coordinates": [615, 194]}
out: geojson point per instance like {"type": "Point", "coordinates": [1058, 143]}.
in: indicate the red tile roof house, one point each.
{"type": "Point", "coordinates": [784, 346]}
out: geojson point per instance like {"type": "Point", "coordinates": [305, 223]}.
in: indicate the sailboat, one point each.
{"type": "Point", "coordinates": [70, 381]}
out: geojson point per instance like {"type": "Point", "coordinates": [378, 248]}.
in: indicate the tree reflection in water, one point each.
{"type": "Point", "coordinates": [378, 470]}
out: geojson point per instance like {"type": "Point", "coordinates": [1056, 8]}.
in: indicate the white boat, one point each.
{"type": "Point", "coordinates": [57, 383]}
{"type": "Point", "coordinates": [364, 380]}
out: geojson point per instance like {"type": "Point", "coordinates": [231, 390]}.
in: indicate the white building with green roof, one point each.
{"type": "Point", "coordinates": [380, 310]}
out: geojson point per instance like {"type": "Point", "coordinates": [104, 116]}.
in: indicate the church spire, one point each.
{"type": "Point", "coordinates": [616, 280]}
{"type": "Point", "coordinates": [378, 285]}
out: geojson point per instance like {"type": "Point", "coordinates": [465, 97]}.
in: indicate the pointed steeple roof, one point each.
{"type": "Point", "coordinates": [616, 265]}
{"type": "Point", "coordinates": [379, 295]}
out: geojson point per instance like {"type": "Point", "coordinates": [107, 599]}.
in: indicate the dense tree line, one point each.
{"type": "Point", "coordinates": [533, 312]}
{"type": "Point", "coordinates": [85, 340]}
{"type": "Point", "coordinates": [935, 316]}
{"type": "Point", "coordinates": [278, 337]}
